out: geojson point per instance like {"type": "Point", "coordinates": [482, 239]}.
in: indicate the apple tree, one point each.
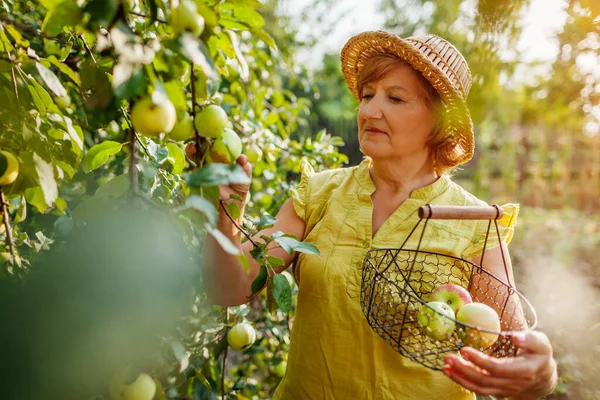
{"type": "Point", "coordinates": [117, 113]}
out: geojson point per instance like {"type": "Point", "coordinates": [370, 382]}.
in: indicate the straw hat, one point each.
{"type": "Point", "coordinates": [438, 61]}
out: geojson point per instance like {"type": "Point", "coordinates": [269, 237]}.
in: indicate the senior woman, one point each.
{"type": "Point", "coordinates": [414, 127]}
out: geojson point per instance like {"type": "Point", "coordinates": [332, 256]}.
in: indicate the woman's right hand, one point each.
{"type": "Point", "coordinates": [226, 191]}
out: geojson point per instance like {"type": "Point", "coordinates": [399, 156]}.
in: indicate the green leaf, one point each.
{"type": "Point", "coordinates": [5, 44]}
{"type": "Point", "coordinates": [223, 240]}
{"type": "Point", "coordinates": [151, 5]}
{"type": "Point", "coordinates": [174, 90]}
{"type": "Point", "coordinates": [204, 206]}
{"type": "Point", "coordinates": [217, 174]}
{"type": "Point", "coordinates": [128, 81]}
{"type": "Point", "coordinates": [282, 292]}
{"type": "Point", "coordinates": [51, 80]}
{"type": "Point", "coordinates": [290, 244]}
{"type": "Point", "coordinates": [65, 70]}
{"type": "Point", "coordinates": [176, 158]}
{"type": "Point", "coordinates": [102, 12]}
{"type": "Point", "coordinates": [99, 154]}
{"type": "Point", "coordinates": [21, 214]}
{"type": "Point", "coordinates": [115, 188]}
{"type": "Point", "coordinates": [275, 262]}
{"type": "Point", "coordinates": [41, 174]}
{"type": "Point", "coordinates": [195, 51]}
{"type": "Point", "coordinates": [233, 210]}
{"type": "Point", "coordinates": [50, 4]}
{"type": "Point", "coordinates": [157, 152]}
{"type": "Point", "coordinates": [266, 221]}
{"type": "Point", "coordinates": [95, 86]}
{"type": "Point", "coordinates": [67, 13]}
{"type": "Point", "coordinates": [259, 282]}
{"type": "Point", "coordinates": [16, 35]}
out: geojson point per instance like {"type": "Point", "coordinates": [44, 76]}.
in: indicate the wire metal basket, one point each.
{"type": "Point", "coordinates": [397, 284]}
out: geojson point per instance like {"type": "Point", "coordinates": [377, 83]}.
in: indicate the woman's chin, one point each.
{"type": "Point", "coordinates": [373, 150]}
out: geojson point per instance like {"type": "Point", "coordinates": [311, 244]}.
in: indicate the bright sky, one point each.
{"type": "Point", "coordinates": [543, 20]}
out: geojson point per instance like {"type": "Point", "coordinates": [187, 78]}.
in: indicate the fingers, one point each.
{"type": "Point", "coordinates": [480, 381]}
{"type": "Point", "coordinates": [533, 342]}
{"type": "Point", "coordinates": [242, 161]}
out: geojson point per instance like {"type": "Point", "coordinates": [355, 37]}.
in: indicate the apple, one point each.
{"type": "Point", "coordinates": [142, 388]}
{"type": "Point", "coordinates": [279, 369]}
{"type": "Point", "coordinates": [185, 18]}
{"type": "Point", "coordinates": [453, 295]}
{"type": "Point", "coordinates": [211, 121]}
{"type": "Point", "coordinates": [9, 168]}
{"type": "Point", "coordinates": [254, 154]}
{"type": "Point", "coordinates": [153, 115]}
{"type": "Point", "coordinates": [481, 316]}
{"type": "Point", "coordinates": [437, 320]}
{"type": "Point", "coordinates": [183, 129]}
{"type": "Point", "coordinates": [63, 101]}
{"type": "Point", "coordinates": [241, 336]}
{"type": "Point", "coordinates": [227, 148]}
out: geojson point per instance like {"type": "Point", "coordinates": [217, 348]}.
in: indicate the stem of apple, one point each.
{"type": "Point", "coordinates": [197, 136]}
{"type": "Point", "coordinates": [7, 228]}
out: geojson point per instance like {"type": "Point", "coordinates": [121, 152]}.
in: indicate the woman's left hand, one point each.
{"type": "Point", "coordinates": [529, 375]}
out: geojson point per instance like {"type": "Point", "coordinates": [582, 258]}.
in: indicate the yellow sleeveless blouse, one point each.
{"type": "Point", "coordinates": [334, 353]}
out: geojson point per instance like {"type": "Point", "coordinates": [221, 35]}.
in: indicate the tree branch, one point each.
{"type": "Point", "coordinates": [7, 228]}
{"type": "Point", "coordinates": [222, 203]}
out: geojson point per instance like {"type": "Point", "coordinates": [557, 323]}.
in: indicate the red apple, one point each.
{"type": "Point", "coordinates": [453, 295]}
{"type": "Point", "coordinates": [437, 320]}
{"type": "Point", "coordinates": [483, 317]}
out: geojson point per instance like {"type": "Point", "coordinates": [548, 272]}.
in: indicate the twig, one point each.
{"type": "Point", "coordinates": [14, 79]}
{"type": "Point", "coordinates": [87, 48]}
{"type": "Point", "coordinates": [197, 136]}
{"type": "Point", "coordinates": [132, 171]}
{"type": "Point", "coordinates": [225, 354]}
{"type": "Point", "coordinates": [222, 202]}
{"type": "Point", "coordinates": [9, 238]}
{"type": "Point", "coordinates": [137, 14]}
{"type": "Point", "coordinates": [30, 29]}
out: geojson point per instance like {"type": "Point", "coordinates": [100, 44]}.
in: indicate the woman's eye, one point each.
{"type": "Point", "coordinates": [396, 100]}
{"type": "Point", "coordinates": [367, 96]}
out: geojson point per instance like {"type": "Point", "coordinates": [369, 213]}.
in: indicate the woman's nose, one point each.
{"type": "Point", "coordinates": [371, 109]}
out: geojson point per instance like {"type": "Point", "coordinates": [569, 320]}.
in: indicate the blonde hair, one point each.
{"type": "Point", "coordinates": [444, 150]}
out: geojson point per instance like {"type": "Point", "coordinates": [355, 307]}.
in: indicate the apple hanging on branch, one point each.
{"type": "Point", "coordinates": [142, 387]}
{"type": "Point", "coordinates": [9, 168]}
{"type": "Point", "coordinates": [183, 129]}
{"type": "Point", "coordinates": [185, 18]}
{"type": "Point", "coordinates": [453, 295]}
{"type": "Point", "coordinates": [226, 148]}
{"type": "Point", "coordinates": [211, 121]}
{"type": "Point", "coordinates": [153, 115]}
{"type": "Point", "coordinates": [241, 336]}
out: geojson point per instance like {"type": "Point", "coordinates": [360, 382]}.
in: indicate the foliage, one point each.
{"type": "Point", "coordinates": [70, 72]}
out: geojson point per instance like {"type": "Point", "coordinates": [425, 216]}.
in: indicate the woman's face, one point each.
{"type": "Point", "coordinates": [394, 118]}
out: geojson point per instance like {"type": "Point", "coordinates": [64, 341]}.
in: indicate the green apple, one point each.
{"type": "Point", "coordinates": [241, 336]}
{"type": "Point", "coordinates": [183, 129]}
{"type": "Point", "coordinates": [9, 168]}
{"type": "Point", "coordinates": [279, 369]}
{"type": "Point", "coordinates": [437, 320]}
{"type": "Point", "coordinates": [185, 18]}
{"type": "Point", "coordinates": [151, 117]}
{"type": "Point", "coordinates": [227, 148]}
{"type": "Point", "coordinates": [211, 121]}
{"type": "Point", "coordinates": [481, 316]}
{"type": "Point", "coordinates": [142, 388]}
{"type": "Point", "coordinates": [253, 153]}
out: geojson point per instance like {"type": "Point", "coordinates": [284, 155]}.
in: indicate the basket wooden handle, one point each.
{"type": "Point", "coordinates": [461, 212]}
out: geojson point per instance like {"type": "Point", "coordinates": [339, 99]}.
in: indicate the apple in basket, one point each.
{"type": "Point", "coordinates": [437, 320]}
{"type": "Point", "coordinates": [453, 295]}
{"type": "Point", "coordinates": [481, 316]}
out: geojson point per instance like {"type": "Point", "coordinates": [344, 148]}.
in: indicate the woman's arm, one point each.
{"type": "Point", "coordinates": [226, 281]}
{"type": "Point", "coordinates": [530, 375]}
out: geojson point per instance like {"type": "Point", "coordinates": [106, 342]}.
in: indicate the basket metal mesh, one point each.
{"type": "Point", "coordinates": [397, 282]}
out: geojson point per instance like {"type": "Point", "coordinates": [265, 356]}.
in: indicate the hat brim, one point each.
{"type": "Point", "coordinates": [457, 119]}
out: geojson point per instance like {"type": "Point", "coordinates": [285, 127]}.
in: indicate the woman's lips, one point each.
{"type": "Point", "coordinates": [375, 131]}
